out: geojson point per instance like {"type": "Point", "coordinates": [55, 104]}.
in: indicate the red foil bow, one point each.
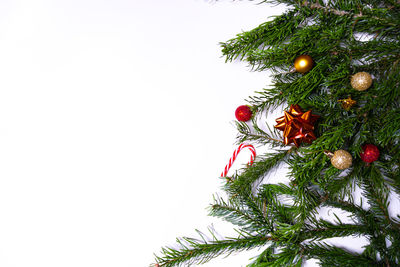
{"type": "Point", "coordinates": [297, 126]}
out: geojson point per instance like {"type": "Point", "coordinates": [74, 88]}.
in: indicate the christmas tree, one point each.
{"type": "Point", "coordinates": [336, 74]}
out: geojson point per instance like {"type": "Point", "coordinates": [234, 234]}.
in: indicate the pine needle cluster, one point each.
{"type": "Point", "coordinates": [343, 37]}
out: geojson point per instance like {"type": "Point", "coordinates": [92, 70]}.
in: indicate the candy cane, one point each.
{"type": "Point", "coordinates": [235, 153]}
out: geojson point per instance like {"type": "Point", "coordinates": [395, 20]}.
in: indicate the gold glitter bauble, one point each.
{"type": "Point", "coordinates": [361, 81]}
{"type": "Point", "coordinates": [341, 159]}
{"type": "Point", "coordinates": [303, 63]}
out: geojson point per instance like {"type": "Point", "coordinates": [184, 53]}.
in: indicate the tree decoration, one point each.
{"type": "Point", "coordinates": [303, 63]}
{"type": "Point", "coordinates": [361, 81]}
{"type": "Point", "coordinates": [341, 159]}
{"type": "Point", "coordinates": [297, 126]}
{"type": "Point", "coordinates": [347, 103]}
{"type": "Point", "coordinates": [370, 153]}
{"type": "Point", "coordinates": [235, 154]}
{"type": "Point", "coordinates": [290, 233]}
{"type": "Point", "coordinates": [243, 113]}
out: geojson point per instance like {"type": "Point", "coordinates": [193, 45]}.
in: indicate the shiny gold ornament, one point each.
{"type": "Point", "coordinates": [303, 63]}
{"type": "Point", "coordinates": [297, 126]}
{"type": "Point", "coordinates": [361, 81]}
{"type": "Point", "coordinates": [341, 159]}
{"type": "Point", "coordinates": [347, 103]}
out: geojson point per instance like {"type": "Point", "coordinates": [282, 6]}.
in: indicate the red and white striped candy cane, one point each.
{"type": "Point", "coordinates": [235, 153]}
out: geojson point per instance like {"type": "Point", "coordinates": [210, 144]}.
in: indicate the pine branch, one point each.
{"type": "Point", "coordinates": [358, 15]}
{"type": "Point", "coordinates": [284, 217]}
{"type": "Point", "coordinates": [324, 229]}
{"type": "Point", "coordinates": [199, 251]}
{"type": "Point", "coordinates": [240, 215]}
{"type": "Point", "coordinates": [334, 256]}
{"type": "Point", "coordinates": [256, 134]}
{"type": "Point", "coordinates": [267, 34]}
{"type": "Point", "coordinates": [243, 183]}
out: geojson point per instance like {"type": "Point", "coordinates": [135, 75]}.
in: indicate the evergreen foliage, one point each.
{"type": "Point", "coordinates": [343, 37]}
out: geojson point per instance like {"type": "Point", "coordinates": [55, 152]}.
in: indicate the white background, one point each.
{"type": "Point", "coordinates": [115, 122]}
{"type": "Point", "coordinates": [116, 119]}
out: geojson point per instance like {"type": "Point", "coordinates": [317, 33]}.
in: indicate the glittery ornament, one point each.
{"type": "Point", "coordinates": [297, 126]}
{"type": "Point", "coordinates": [361, 81]}
{"type": "Point", "coordinates": [347, 103]}
{"type": "Point", "coordinates": [370, 153]}
{"type": "Point", "coordinates": [303, 63]}
{"type": "Point", "coordinates": [243, 113]}
{"type": "Point", "coordinates": [341, 159]}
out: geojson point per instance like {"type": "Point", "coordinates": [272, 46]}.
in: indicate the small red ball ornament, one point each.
{"type": "Point", "coordinates": [243, 113]}
{"type": "Point", "coordinates": [370, 153]}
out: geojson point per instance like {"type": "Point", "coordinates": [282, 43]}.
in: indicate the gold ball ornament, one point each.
{"type": "Point", "coordinates": [341, 159]}
{"type": "Point", "coordinates": [303, 63]}
{"type": "Point", "coordinates": [361, 81]}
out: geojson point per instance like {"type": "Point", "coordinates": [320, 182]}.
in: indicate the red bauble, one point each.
{"type": "Point", "coordinates": [243, 113]}
{"type": "Point", "coordinates": [370, 153]}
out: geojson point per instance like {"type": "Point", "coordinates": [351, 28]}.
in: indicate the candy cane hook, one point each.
{"type": "Point", "coordinates": [235, 153]}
